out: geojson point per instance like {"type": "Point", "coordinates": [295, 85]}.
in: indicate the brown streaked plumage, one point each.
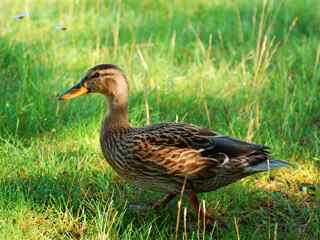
{"type": "Point", "coordinates": [160, 157]}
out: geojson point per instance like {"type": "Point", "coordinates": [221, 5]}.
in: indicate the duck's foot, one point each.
{"type": "Point", "coordinates": [144, 209]}
{"type": "Point", "coordinates": [163, 201]}
{"type": "Point", "coordinates": [210, 221]}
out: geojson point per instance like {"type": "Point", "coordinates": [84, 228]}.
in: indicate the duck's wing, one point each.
{"type": "Point", "coordinates": [187, 150]}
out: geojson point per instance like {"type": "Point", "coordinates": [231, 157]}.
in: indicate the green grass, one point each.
{"type": "Point", "coordinates": [244, 68]}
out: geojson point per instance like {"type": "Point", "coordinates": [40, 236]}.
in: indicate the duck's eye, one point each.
{"type": "Point", "coordinates": [95, 75]}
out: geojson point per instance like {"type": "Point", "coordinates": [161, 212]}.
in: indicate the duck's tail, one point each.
{"type": "Point", "coordinates": [266, 166]}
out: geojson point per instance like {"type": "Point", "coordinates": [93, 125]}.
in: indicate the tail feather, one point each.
{"type": "Point", "coordinates": [266, 166]}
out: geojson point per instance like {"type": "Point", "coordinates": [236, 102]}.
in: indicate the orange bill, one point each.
{"type": "Point", "coordinates": [76, 91]}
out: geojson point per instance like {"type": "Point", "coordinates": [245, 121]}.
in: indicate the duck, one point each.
{"type": "Point", "coordinates": [168, 157]}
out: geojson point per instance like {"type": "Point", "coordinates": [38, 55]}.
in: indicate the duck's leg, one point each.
{"type": "Point", "coordinates": [164, 201]}
{"type": "Point", "coordinates": [199, 210]}
{"type": "Point", "coordinates": [156, 206]}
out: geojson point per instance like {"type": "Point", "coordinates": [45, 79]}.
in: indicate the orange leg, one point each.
{"type": "Point", "coordinates": [199, 210]}
{"type": "Point", "coordinates": [164, 201]}
{"type": "Point", "coordinates": [202, 214]}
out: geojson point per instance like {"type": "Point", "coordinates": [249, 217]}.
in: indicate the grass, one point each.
{"type": "Point", "coordinates": [245, 68]}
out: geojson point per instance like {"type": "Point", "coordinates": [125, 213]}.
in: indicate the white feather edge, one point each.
{"type": "Point", "coordinates": [267, 165]}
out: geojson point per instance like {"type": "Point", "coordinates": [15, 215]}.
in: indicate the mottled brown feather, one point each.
{"type": "Point", "coordinates": [179, 150]}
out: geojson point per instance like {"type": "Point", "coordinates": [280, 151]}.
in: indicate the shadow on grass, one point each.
{"type": "Point", "coordinates": [88, 194]}
{"type": "Point", "coordinates": [257, 211]}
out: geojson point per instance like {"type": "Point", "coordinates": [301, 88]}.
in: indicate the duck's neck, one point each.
{"type": "Point", "coordinates": [117, 116]}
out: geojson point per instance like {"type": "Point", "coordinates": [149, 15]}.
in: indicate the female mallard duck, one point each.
{"type": "Point", "coordinates": [160, 157]}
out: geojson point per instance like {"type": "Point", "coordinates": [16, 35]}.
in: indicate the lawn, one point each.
{"type": "Point", "coordinates": [244, 68]}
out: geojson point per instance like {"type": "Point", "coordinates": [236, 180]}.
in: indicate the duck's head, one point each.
{"type": "Point", "coordinates": [106, 79]}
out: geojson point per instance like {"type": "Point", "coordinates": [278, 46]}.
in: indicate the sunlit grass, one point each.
{"type": "Point", "coordinates": [245, 68]}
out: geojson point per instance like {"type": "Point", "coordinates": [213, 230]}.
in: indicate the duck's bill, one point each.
{"type": "Point", "coordinates": [76, 91]}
